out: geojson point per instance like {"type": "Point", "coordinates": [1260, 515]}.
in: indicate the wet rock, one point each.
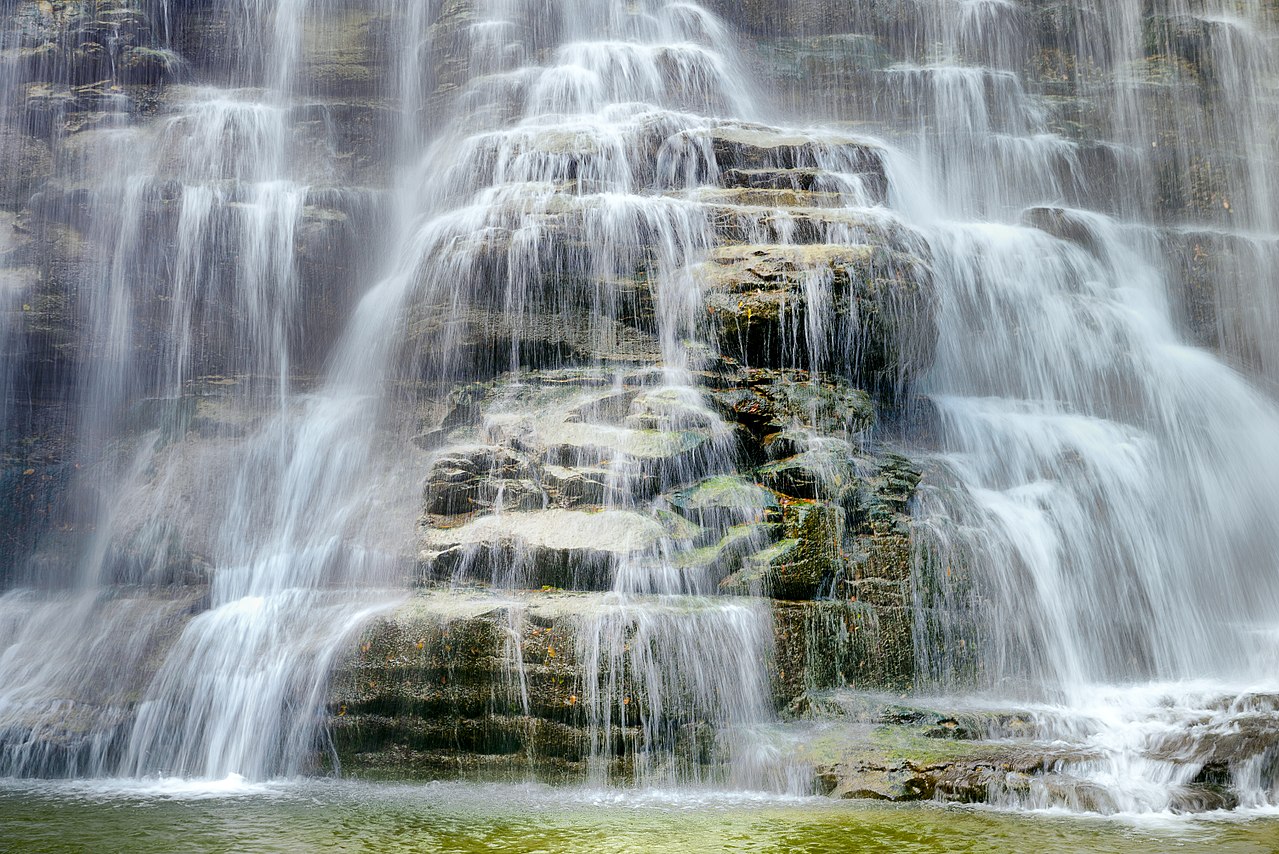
{"type": "Point", "coordinates": [79, 42]}
{"type": "Point", "coordinates": [1067, 225]}
{"type": "Point", "coordinates": [582, 485]}
{"type": "Point", "coordinates": [145, 65]}
{"type": "Point", "coordinates": [569, 549]}
{"type": "Point", "coordinates": [827, 60]}
{"type": "Point", "coordinates": [818, 18]}
{"type": "Point", "coordinates": [340, 56]}
{"type": "Point", "coordinates": [779, 412]}
{"type": "Point", "coordinates": [831, 643]}
{"type": "Point", "coordinates": [27, 165]}
{"type": "Point", "coordinates": [752, 216]}
{"type": "Point", "coordinates": [800, 564]}
{"type": "Point", "coordinates": [880, 574]}
{"type": "Point", "coordinates": [726, 556]}
{"type": "Point", "coordinates": [50, 323]}
{"type": "Point", "coordinates": [797, 180]}
{"type": "Point", "coordinates": [862, 308]}
{"type": "Point", "coordinates": [332, 256]}
{"type": "Point", "coordinates": [476, 677]}
{"type": "Point", "coordinates": [825, 469]}
{"type": "Point", "coordinates": [492, 341]}
{"type": "Point", "coordinates": [465, 480]}
{"type": "Point", "coordinates": [468, 681]}
{"type": "Point", "coordinates": [866, 746]}
{"type": "Point", "coordinates": [883, 563]}
{"type": "Point", "coordinates": [724, 500]}
{"type": "Point", "coordinates": [751, 155]}
{"type": "Point", "coordinates": [657, 439]}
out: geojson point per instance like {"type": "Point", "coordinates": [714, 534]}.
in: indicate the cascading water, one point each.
{"type": "Point", "coordinates": [269, 497]}
{"type": "Point", "coordinates": [551, 164]}
{"type": "Point", "coordinates": [290, 529]}
{"type": "Point", "coordinates": [580, 336]}
{"type": "Point", "coordinates": [1122, 521]}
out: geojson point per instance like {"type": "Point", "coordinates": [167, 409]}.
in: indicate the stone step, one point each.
{"type": "Point", "coordinates": [869, 301]}
{"type": "Point", "coordinates": [490, 674]}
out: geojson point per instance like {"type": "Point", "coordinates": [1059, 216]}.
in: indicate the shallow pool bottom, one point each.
{"type": "Point", "coordinates": [314, 815]}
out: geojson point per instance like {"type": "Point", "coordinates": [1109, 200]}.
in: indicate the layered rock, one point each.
{"type": "Point", "coordinates": [566, 457]}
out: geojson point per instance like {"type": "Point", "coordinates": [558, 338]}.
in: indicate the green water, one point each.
{"type": "Point", "coordinates": [344, 816]}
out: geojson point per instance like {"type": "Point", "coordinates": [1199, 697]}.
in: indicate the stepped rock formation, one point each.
{"type": "Point", "coordinates": [644, 393]}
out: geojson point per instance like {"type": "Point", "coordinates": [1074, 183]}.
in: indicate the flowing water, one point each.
{"type": "Point", "coordinates": [1119, 482]}
{"type": "Point", "coordinates": [1102, 463]}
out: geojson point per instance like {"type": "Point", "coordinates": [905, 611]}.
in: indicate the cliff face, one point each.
{"type": "Point", "coordinates": [654, 397]}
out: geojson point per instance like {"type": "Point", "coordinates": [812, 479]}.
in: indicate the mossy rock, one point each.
{"type": "Point", "coordinates": [724, 500]}
{"type": "Point", "coordinates": [804, 561]}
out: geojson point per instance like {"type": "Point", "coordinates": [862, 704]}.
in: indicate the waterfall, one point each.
{"type": "Point", "coordinates": [627, 321]}
{"type": "Point", "coordinates": [534, 158]}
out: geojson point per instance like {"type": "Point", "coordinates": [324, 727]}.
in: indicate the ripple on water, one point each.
{"type": "Point", "coordinates": [157, 815]}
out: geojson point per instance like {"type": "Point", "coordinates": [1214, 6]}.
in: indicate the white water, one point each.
{"type": "Point", "coordinates": [279, 500]}
{"type": "Point", "coordinates": [1117, 498]}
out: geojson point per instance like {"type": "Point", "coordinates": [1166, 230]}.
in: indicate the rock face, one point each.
{"type": "Point", "coordinates": [474, 682]}
{"type": "Point", "coordinates": [747, 495]}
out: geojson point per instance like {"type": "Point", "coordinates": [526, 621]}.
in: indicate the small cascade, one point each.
{"type": "Point", "coordinates": [304, 542]}
{"type": "Point", "coordinates": [1159, 748]}
{"type": "Point", "coordinates": [1027, 423]}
